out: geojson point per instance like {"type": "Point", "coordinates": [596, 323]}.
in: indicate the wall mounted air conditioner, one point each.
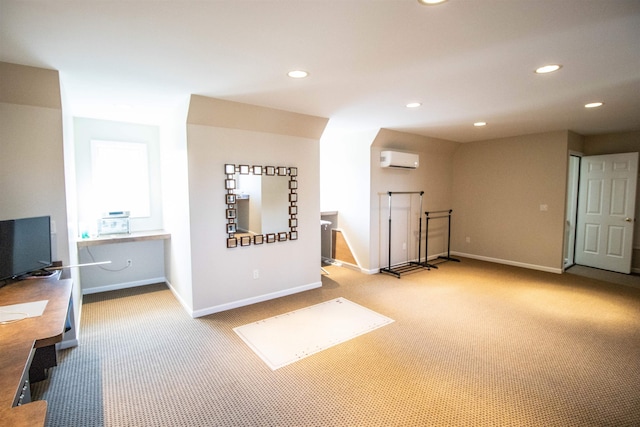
{"type": "Point", "coordinates": [397, 159]}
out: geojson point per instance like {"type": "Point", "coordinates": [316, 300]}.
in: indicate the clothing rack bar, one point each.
{"type": "Point", "coordinates": [398, 270]}
{"type": "Point", "coordinates": [405, 192]}
{"type": "Point", "coordinates": [448, 216]}
{"type": "Point", "coordinates": [435, 212]}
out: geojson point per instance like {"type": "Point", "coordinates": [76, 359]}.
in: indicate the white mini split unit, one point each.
{"type": "Point", "coordinates": [397, 159]}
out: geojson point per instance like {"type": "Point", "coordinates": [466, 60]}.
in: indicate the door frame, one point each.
{"type": "Point", "coordinates": [569, 252]}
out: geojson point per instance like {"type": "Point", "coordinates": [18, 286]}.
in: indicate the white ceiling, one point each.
{"type": "Point", "coordinates": [465, 60]}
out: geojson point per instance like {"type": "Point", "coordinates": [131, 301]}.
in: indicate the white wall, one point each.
{"type": "Point", "coordinates": [222, 278]}
{"type": "Point", "coordinates": [345, 187]}
{"type": "Point", "coordinates": [434, 177]}
{"type": "Point", "coordinates": [71, 336]}
{"type": "Point", "coordinates": [354, 185]}
{"type": "Point", "coordinates": [175, 204]}
{"type": "Point", "coordinates": [145, 269]}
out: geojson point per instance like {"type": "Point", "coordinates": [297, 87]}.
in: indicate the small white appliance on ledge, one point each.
{"type": "Point", "coordinates": [114, 223]}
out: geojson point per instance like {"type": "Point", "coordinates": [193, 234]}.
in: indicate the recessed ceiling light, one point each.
{"type": "Point", "coordinates": [594, 105]}
{"type": "Point", "coordinates": [413, 105]}
{"type": "Point", "coordinates": [297, 74]}
{"type": "Point", "coordinates": [480, 124]}
{"type": "Point", "coordinates": [548, 69]}
{"type": "Point", "coordinates": [430, 2]}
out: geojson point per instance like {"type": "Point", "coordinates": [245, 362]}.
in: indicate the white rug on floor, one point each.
{"type": "Point", "coordinates": [289, 337]}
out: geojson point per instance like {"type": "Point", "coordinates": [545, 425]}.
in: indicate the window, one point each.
{"type": "Point", "coordinates": [120, 177]}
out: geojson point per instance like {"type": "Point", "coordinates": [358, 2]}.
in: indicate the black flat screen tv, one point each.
{"type": "Point", "coordinates": [25, 246]}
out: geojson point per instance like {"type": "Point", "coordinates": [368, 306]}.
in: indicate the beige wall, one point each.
{"type": "Point", "coordinates": [32, 176]}
{"type": "Point", "coordinates": [498, 189]}
{"type": "Point", "coordinates": [31, 148]}
{"type": "Point", "coordinates": [23, 85]}
{"type": "Point", "coordinates": [612, 143]}
{"type": "Point", "coordinates": [222, 278]}
{"type": "Point", "coordinates": [576, 142]}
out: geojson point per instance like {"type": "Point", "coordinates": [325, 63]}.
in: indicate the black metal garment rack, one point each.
{"type": "Point", "coordinates": [398, 270]}
{"type": "Point", "coordinates": [426, 240]}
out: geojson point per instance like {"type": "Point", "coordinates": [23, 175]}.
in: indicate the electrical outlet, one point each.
{"type": "Point", "coordinates": [404, 246]}
{"type": "Point", "coordinates": [129, 263]}
{"type": "Point", "coordinates": [468, 239]}
{"type": "Point", "coordinates": [256, 274]}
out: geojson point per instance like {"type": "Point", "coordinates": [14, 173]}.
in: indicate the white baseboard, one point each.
{"type": "Point", "coordinates": [353, 267]}
{"type": "Point", "coordinates": [509, 262]}
{"type": "Point", "coordinates": [75, 341]}
{"type": "Point", "coordinates": [182, 302]}
{"type": "Point", "coordinates": [254, 300]}
{"type": "Point", "coordinates": [481, 258]}
{"type": "Point", "coordinates": [125, 285]}
{"type": "Point", "coordinates": [330, 261]}
{"type": "Point", "coordinates": [67, 344]}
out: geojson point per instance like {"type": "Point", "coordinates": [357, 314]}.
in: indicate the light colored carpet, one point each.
{"type": "Point", "coordinates": [289, 337]}
{"type": "Point", "coordinates": [606, 276]}
{"type": "Point", "coordinates": [472, 344]}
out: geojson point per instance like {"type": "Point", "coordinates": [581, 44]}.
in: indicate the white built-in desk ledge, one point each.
{"type": "Point", "coordinates": [136, 236]}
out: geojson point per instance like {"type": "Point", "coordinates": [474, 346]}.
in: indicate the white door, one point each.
{"type": "Point", "coordinates": [606, 209]}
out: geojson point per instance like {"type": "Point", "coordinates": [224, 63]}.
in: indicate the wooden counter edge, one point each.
{"type": "Point", "coordinates": [32, 414]}
{"type": "Point", "coordinates": [138, 236]}
{"type": "Point", "coordinates": [37, 335]}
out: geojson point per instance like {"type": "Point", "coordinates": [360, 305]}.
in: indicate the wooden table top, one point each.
{"type": "Point", "coordinates": [17, 340]}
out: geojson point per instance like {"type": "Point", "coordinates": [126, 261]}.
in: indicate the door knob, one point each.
{"type": "Point", "coordinates": [628, 219]}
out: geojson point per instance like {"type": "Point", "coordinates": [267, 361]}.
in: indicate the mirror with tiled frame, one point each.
{"type": "Point", "coordinates": [261, 204]}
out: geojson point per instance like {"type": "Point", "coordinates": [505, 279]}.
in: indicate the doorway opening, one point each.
{"type": "Point", "coordinates": [601, 199]}
{"type": "Point", "coordinates": [573, 181]}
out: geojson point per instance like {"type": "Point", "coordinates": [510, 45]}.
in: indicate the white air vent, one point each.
{"type": "Point", "coordinates": [397, 159]}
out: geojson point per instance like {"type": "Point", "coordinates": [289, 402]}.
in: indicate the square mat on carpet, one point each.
{"type": "Point", "coordinates": [289, 337]}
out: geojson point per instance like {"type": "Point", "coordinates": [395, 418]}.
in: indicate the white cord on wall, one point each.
{"type": "Point", "coordinates": [106, 269]}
